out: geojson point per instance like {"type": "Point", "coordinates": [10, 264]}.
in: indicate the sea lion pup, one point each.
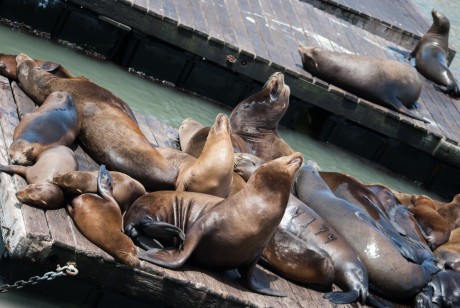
{"type": "Point", "coordinates": [109, 135]}
{"type": "Point", "coordinates": [434, 227]}
{"type": "Point", "coordinates": [99, 219]}
{"type": "Point", "coordinates": [430, 55]}
{"type": "Point", "coordinates": [451, 212]}
{"type": "Point", "coordinates": [305, 248]}
{"type": "Point", "coordinates": [441, 291]}
{"type": "Point", "coordinates": [255, 120]}
{"type": "Point", "coordinates": [40, 191]}
{"type": "Point", "coordinates": [228, 235]}
{"type": "Point", "coordinates": [448, 254]}
{"type": "Point", "coordinates": [390, 274]}
{"type": "Point", "coordinates": [8, 67]}
{"type": "Point", "coordinates": [388, 83]}
{"type": "Point", "coordinates": [55, 122]}
{"type": "Point", "coordinates": [212, 171]}
{"type": "Point", "coordinates": [125, 189]}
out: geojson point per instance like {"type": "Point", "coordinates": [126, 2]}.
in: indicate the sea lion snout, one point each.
{"type": "Point", "coordinates": [222, 123]}
{"type": "Point", "coordinates": [22, 57]}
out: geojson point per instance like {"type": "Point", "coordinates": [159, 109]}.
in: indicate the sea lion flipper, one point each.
{"type": "Point", "coordinates": [14, 169]}
{"type": "Point", "coordinates": [247, 276]}
{"type": "Point", "coordinates": [173, 258]}
{"type": "Point", "coordinates": [342, 297]}
{"type": "Point", "coordinates": [160, 229]}
{"type": "Point", "coordinates": [49, 66]}
{"type": "Point", "coordinates": [105, 184]}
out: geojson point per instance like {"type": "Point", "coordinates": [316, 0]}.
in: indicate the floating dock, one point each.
{"type": "Point", "coordinates": [46, 238]}
{"type": "Point", "coordinates": [226, 49]}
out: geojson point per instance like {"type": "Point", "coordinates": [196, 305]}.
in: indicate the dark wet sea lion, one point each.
{"type": "Point", "coordinates": [55, 122]}
{"type": "Point", "coordinates": [99, 219]}
{"type": "Point", "coordinates": [441, 291]}
{"type": "Point", "coordinates": [255, 120]}
{"type": "Point", "coordinates": [228, 235]}
{"type": "Point", "coordinates": [430, 55]}
{"type": "Point", "coordinates": [306, 247]}
{"type": "Point", "coordinates": [108, 133]}
{"type": "Point", "coordinates": [125, 189]}
{"type": "Point", "coordinates": [388, 83]}
{"type": "Point", "coordinates": [390, 274]}
{"type": "Point", "coordinates": [212, 171]}
{"type": "Point", "coordinates": [40, 191]}
{"type": "Point", "coordinates": [448, 254]}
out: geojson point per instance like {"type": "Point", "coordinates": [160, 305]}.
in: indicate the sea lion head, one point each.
{"type": "Point", "coordinates": [43, 195]}
{"type": "Point", "coordinates": [221, 125]}
{"type": "Point", "coordinates": [8, 66]}
{"type": "Point", "coordinates": [278, 173]}
{"type": "Point", "coordinates": [22, 152]}
{"type": "Point", "coordinates": [308, 56]}
{"type": "Point", "coordinates": [441, 24]}
{"type": "Point", "coordinates": [246, 164]}
{"type": "Point", "coordinates": [263, 110]}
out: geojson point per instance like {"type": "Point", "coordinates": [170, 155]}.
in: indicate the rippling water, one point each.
{"type": "Point", "coordinates": [172, 106]}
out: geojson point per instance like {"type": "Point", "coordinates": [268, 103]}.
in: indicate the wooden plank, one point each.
{"type": "Point", "coordinates": [243, 38]}
{"type": "Point", "coordinates": [155, 6]}
{"type": "Point", "coordinates": [199, 17]}
{"type": "Point", "coordinates": [216, 30]}
{"type": "Point", "coordinates": [145, 128]}
{"type": "Point", "coordinates": [169, 9]}
{"type": "Point", "coordinates": [250, 22]}
{"type": "Point", "coordinates": [223, 17]}
{"type": "Point", "coordinates": [23, 102]}
{"type": "Point", "coordinates": [184, 16]}
{"type": "Point", "coordinates": [301, 10]}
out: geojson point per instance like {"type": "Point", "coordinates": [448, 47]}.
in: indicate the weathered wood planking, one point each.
{"type": "Point", "coordinates": [36, 235]}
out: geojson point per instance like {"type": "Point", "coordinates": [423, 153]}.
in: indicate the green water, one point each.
{"type": "Point", "coordinates": [172, 106]}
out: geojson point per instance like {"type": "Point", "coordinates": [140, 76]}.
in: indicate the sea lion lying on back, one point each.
{"type": "Point", "coordinates": [41, 191]}
{"type": "Point", "coordinates": [55, 122]}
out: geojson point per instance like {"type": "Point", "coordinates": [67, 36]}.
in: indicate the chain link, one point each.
{"type": "Point", "coordinates": [69, 269]}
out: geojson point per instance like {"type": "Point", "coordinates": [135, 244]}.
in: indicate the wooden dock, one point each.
{"type": "Point", "coordinates": [46, 238]}
{"type": "Point", "coordinates": [187, 43]}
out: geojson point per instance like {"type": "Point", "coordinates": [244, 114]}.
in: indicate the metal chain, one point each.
{"type": "Point", "coordinates": [69, 269]}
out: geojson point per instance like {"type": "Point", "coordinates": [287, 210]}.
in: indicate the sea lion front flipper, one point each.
{"type": "Point", "coordinates": [398, 106]}
{"type": "Point", "coordinates": [49, 66]}
{"type": "Point", "coordinates": [247, 276]}
{"type": "Point", "coordinates": [342, 297]}
{"type": "Point", "coordinates": [172, 258]}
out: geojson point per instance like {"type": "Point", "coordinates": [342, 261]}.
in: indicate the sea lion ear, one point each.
{"type": "Point", "coordinates": [49, 66]}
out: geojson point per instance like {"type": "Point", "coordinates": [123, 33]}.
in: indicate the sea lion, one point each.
{"type": "Point", "coordinates": [381, 205]}
{"type": "Point", "coordinates": [451, 212]}
{"type": "Point", "coordinates": [228, 235]}
{"type": "Point", "coordinates": [8, 67]}
{"type": "Point", "coordinates": [390, 274]}
{"type": "Point", "coordinates": [306, 249]}
{"type": "Point", "coordinates": [212, 171]}
{"type": "Point", "coordinates": [441, 291]}
{"type": "Point", "coordinates": [98, 218]}
{"type": "Point", "coordinates": [109, 135]}
{"type": "Point", "coordinates": [430, 55]}
{"type": "Point", "coordinates": [388, 83]}
{"type": "Point", "coordinates": [255, 120]}
{"type": "Point", "coordinates": [41, 192]}
{"type": "Point", "coordinates": [435, 228]}
{"type": "Point", "coordinates": [448, 254]}
{"type": "Point", "coordinates": [125, 189]}
{"type": "Point", "coordinates": [55, 122]}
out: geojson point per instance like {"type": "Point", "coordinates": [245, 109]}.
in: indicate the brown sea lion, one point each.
{"type": "Point", "coordinates": [99, 219]}
{"type": "Point", "coordinates": [41, 192]}
{"type": "Point", "coordinates": [430, 55]}
{"type": "Point", "coordinates": [8, 67]}
{"type": "Point", "coordinates": [255, 120]}
{"type": "Point", "coordinates": [390, 274]}
{"type": "Point", "coordinates": [125, 189]}
{"type": "Point", "coordinates": [388, 83]}
{"type": "Point", "coordinates": [55, 122]}
{"type": "Point", "coordinates": [306, 249]}
{"type": "Point", "coordinates": [435, 228]}
{"type": "Point", "coordinates": [451, 212]}
{"type": "Point", "coordinates": [211, 172]}
{"type": "Point", "coordinates": [228, 235]}
{"type": "Point", "coordinates": [448, 254]}
{"type": "Point", "coordinates": [109, 135]}
{"type": "Point", "coordinates": [441, 291]}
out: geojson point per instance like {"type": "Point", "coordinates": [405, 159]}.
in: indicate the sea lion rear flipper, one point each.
{"type": "Point", "coordinates": [342, 297]}
{"type": "Point", "coordinates": [105, 184]}
{"type": "Point", "coordinates": [398, 106]}
{"type": "Point", "coordinates": [247, 275]}
{"type": "Point", "coordinates": [49, 66]}
{"type": "Point", "coordinates": [160, 229]}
